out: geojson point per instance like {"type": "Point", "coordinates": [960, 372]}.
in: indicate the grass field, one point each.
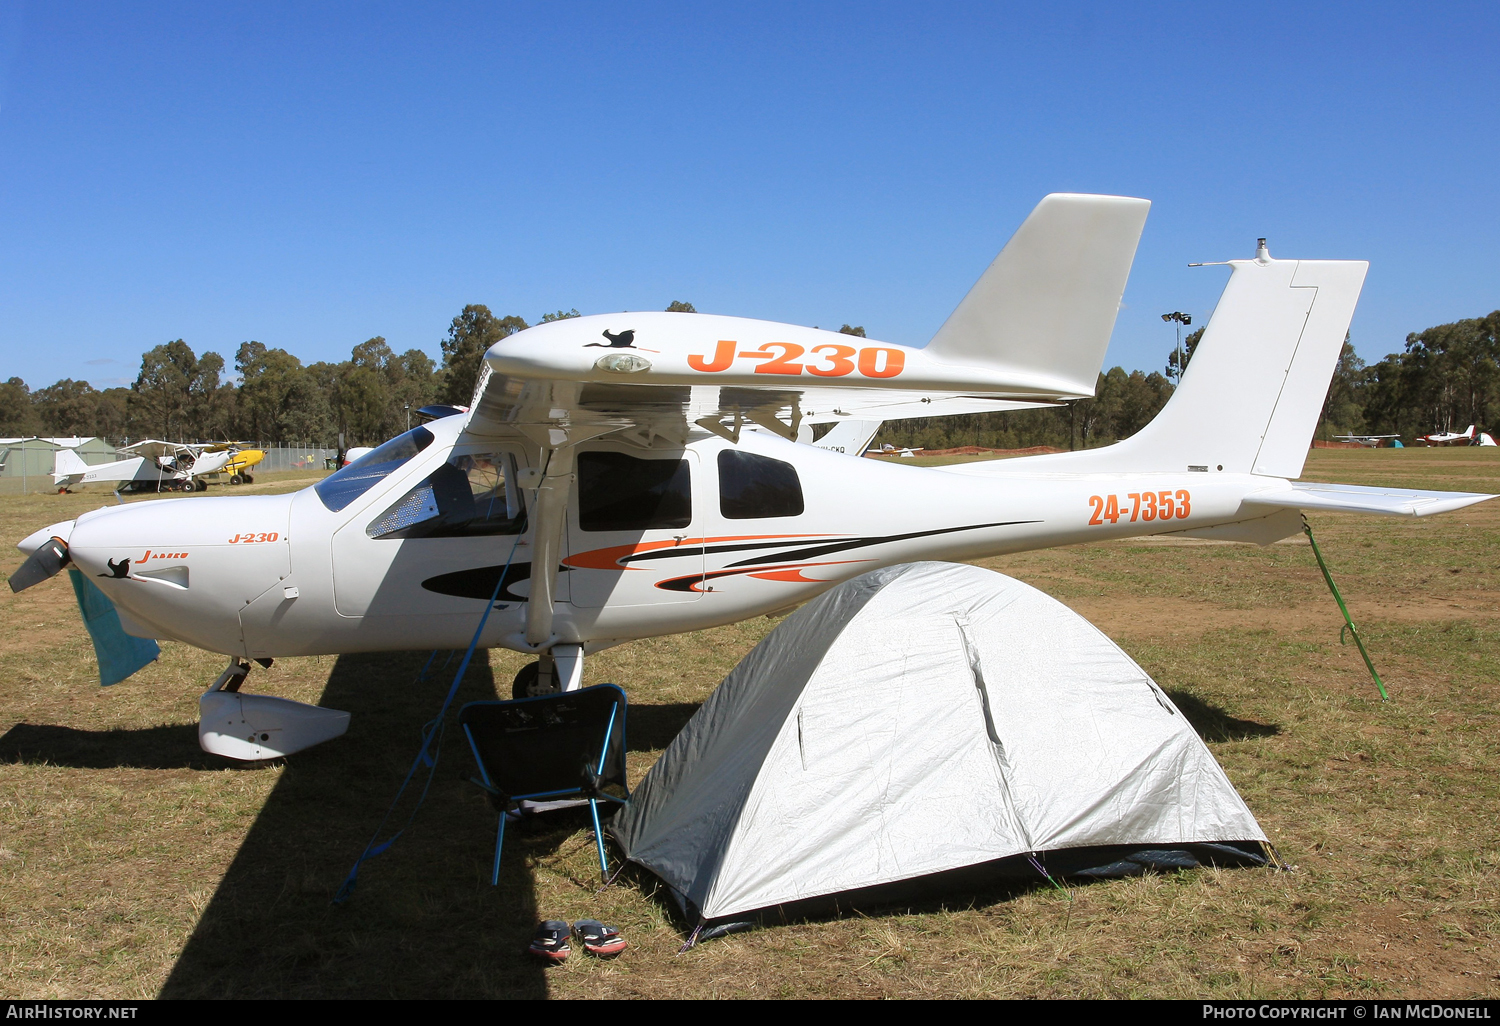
{"type": "Point", "coordinates": [134, 865]}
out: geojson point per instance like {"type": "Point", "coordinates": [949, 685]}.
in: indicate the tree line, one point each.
{"type": "Point", "coordinates": [1444, 379]}
{"type": "Point", "coordinates": [271, 397]}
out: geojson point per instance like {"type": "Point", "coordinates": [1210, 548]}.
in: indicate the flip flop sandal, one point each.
{"type": "Point", "coordinates": [550, 942]}
{"type": "Point", "coordinates": [597, 939]}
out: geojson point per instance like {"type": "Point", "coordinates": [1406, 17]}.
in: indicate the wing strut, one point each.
{"type": "Point", "coordinates": [559, 448]}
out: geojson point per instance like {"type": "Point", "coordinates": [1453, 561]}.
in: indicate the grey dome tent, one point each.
{"type": "Point", "coordinates": [914, 721]}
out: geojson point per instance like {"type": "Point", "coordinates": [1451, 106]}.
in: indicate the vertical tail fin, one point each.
{"type": "Point", "coordinates": [1249, 400]}
{"type": "Point", "coordinates": [1059, 279]}
{"type": "Point", "coordinates": [851, 437]}
{"type": "Point", "coordinates": [66, 463]}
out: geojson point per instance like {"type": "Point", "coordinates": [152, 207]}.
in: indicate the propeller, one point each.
{"type": "Point", "coordinates": [47, 561]}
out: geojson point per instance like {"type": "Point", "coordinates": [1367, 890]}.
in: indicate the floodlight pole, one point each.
{"type": "Point", "coordinates": [1181, 319]}
{"type": "Point", "coordinates": [407, 408]}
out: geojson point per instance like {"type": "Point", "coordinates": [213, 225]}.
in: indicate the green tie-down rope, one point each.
{"type": "Point", "coordinates": [1348, 620]}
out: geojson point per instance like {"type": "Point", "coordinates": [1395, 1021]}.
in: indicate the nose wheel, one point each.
{"type": "Point", "coordinates": [529, 682]}
{"type": "Point", "coordinates": [558, 670]}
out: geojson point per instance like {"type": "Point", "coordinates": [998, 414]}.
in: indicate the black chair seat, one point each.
{"type": "Point", "coordinates": [548, 748]}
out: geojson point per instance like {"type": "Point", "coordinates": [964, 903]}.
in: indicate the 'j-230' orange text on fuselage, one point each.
{"type": "Point", "coordinates": [826, 361]}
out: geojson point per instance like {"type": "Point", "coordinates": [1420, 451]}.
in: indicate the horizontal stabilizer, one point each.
{"type": "Point", "coordinates": [1341, 498]}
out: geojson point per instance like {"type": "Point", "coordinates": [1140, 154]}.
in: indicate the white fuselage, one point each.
{"type": "Point", "coordinates": [261, 576]}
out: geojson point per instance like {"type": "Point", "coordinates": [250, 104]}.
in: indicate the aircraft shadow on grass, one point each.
{"type": "Point", "coordinates": [170, 746]}
{"type": "Point", "coordinates": [424, 921]}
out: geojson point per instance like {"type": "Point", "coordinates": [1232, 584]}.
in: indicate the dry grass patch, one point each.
{"type": "Point", "coordinates": [132, 864]}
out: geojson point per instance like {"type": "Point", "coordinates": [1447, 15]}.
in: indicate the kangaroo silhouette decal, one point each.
{"type": "Point", "coordinates": [624, 340]}
{"type": "Point", "coordinates": [117, 571]}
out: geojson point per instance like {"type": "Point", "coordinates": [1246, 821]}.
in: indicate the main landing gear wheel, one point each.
{"type": "Point", "coordinates": [528, 682]}
{"type": "Point", "coordinates": [202, 485]}
{"type": "Point", "coordinates": [247, 478]}
{"type": "Point", "coordinates": [236, 479]}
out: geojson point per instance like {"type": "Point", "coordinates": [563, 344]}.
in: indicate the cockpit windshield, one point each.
{"type": "Point", "coordinates": [343, 487]}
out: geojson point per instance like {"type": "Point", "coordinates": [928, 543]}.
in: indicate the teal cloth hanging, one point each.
{"type": "Point", "coordinates": [120, 655]}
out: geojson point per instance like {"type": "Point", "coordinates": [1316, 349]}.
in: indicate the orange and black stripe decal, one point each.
{"type": "Point", "coordinates": [618, 557]}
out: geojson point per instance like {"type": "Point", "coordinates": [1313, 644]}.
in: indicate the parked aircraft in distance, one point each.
{"type": "Point", "coordinates": [594, 495]}
{"type": "Point", "coordinates": [890, 450]}
{"type": "Point", "coordinates": [157, 466]}
{"type": "Point", "coordinates": [1368, 441]}
{"type": "Point", "coordinates": [240, 462]}
{"type": "Point", "coordinates": [1447, 438]}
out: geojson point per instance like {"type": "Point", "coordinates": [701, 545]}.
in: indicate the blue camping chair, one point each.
{"type": "Point", "coordinates": [550, 748]}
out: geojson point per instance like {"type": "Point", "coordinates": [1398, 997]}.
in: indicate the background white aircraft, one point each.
{"type": "Point", "coordinates": [1448, 437]}
{"type": "Point", "coordinates": [599, 491]}
{"type": "Point", "coordinates": [1368, 441]}
{"type": "Point", "coordinates": [149, 465]}
{"type": "Point", "coordinates": [890, 450]}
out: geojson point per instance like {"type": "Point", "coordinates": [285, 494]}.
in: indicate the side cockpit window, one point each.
{"type": "Point", "coordinates": [752, 487]}
{"type": "Point", "coordinates": [469, 496]}
{"type": "Point", "coordinates": [617, 492]}
{"type": "Point", "coordinates": [343, 487]}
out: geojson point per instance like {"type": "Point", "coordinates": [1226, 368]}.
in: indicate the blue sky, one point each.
{"type": "Point", "coordinates": [311, 175]}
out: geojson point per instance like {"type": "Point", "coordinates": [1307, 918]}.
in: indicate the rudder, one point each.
{"type": "Point", "coordinates": [1250, 398]}
{"type": "Point", "coordinates": [66, 463]}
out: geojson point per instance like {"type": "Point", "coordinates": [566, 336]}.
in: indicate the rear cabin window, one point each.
{"type": "Point", "coordinates": [341, 488]}
{"type": "Point", "coordinates": [752, 487]}
{"type": "Point", "coordinates": [469, 496]}
{"type": "Point", "coordinates": [617, 492]}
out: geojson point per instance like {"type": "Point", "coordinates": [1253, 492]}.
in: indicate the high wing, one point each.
{"type": "Point", "coordinates": [670, 412]}
{"type": "Point", "coordinates": [156, 449]}
{"type": "Point", "coordinates": [1031, 332]}
{"type": "Point", "coordinates": [896, 406]}
{"type": "Point", "coordinates": [191, 458]}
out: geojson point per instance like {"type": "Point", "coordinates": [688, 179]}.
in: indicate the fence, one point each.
{"type": "Point", "coordinates": [28, 469]}
{"type": "Point", "coordinates": [283, 458]}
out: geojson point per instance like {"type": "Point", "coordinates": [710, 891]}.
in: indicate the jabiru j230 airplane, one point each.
{"type": "Point", "coordinates": [637, 474]}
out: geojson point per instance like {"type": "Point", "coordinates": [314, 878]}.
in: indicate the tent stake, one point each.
{"type": "Point", "coordinates": [1035, 864]}
{"type": "Point", "coordinates": [692, 938]}
{"type": "Point", "coordinates": [1277, 862]}
{"type": "Point", "coordinates": [1348, 620]}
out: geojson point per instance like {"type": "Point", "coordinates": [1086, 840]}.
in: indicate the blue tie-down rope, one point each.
{"type": "Point", "coordinates": [433, 729]}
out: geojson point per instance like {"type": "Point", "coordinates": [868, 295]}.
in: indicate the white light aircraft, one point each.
{"type": "Point", "coordinates": [890, 450]}
{"type": "Point", "coordinates": [151, 465]}
{"type": "Point", "coordinates": [1368, 441]}
{"type": "Point", "coordinates": [633, 475]}
{"type": "Point", "coordinates": [1448, 438]}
